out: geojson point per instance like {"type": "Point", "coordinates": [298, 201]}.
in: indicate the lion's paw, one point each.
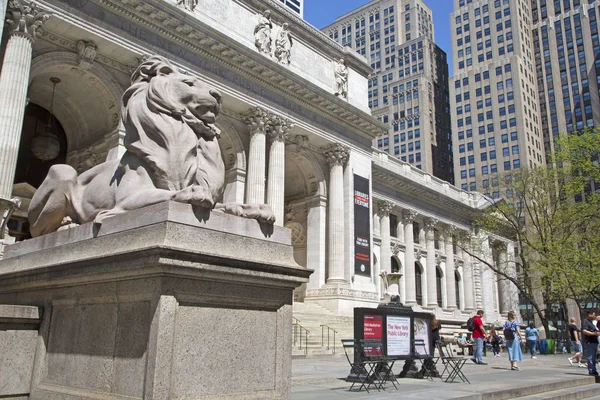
{"type": "Point", "coordinates": [67, 223]}
{"type": "Point", "coordinates": [196, 195]}
{"type": "Point", "coordinates": [260, 212]}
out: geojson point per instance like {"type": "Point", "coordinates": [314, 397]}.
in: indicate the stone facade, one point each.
{"type": "Point", "coordinates": [287, 140]}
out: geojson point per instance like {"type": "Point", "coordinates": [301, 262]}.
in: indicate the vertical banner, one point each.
{"type": "Point", "coordinates": [362, 229]}
{"type": "Point", "coordinates": [372, 329]}
{"type": "Point", "coordinates": [398, 336]}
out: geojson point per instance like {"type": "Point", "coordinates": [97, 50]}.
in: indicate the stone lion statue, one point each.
{"type": "Point", "coordinates": [172, 154]}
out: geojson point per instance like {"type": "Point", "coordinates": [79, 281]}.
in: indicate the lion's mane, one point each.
{"type": "Point", "coordinates": [158, 127]}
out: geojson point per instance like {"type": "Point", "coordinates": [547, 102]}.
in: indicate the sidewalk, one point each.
{"type": "Point", "coordinates": [323, 379]}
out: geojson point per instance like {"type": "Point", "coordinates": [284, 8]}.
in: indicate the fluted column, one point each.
{"type": "Point", "coordinates": [276, 181]}
{"type": "Point", "coordinates": [337, 156]}
{"type": "Point", "coordinates": [384, 208]}
{"type": "Point", "coordinates": [450, 278]}
{"type": "Point", "coordinates": [257, 121]}
{"type": "Point", "coordinates": [409, 257]}
{"type": "Point", "coordinates": [430, 224]}
{"type": "Point", "coordinates": [23, 19]}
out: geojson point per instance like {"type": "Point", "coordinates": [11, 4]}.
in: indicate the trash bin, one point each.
{"type": "Point", "coordinates": [543, 346]}
{"type": "Point", "coordinates": [551, 346]}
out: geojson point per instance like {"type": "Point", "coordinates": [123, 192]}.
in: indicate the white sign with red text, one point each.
{"type": "Point", "coordinates": [398, 336]}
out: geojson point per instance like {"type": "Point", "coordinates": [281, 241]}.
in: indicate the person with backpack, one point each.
{"type": "Point", "coordinates": [533, 337]}
{"type": "Point", "coordinates": [475, 325]}
{"type": "Point", "coordinates": [513, 341]}
{"type": "Point", "coordinates": [494, 340]}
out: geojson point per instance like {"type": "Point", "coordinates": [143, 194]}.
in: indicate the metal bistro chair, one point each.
{"type": "Point", "coordinates": [428, 361]}
{"type": "Point", "coordinates": [383, 366]}
{"type": "Point", "coordinates": [360, 369]}
{"type": "Point", "coordinates": [453, 365]}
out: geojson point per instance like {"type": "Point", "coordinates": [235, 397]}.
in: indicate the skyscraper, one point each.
{"type": "Point", "coordinates": [296, 6]}
{"type": "Point", "coordinates": [496, 121]}
{"type": "Point", "coordinates": [409, 86]}
{"type": "Point", "coordinates": [567, 60]}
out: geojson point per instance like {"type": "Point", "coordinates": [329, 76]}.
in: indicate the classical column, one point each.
{"type": "Point", "coordinates": [316, 239]}
{"type": "Point", "coordinates": [384, 208]}
{"type": "Point", "coordinates": [487, 275]}
{"type": "Point", "coordinates": [450, 277]}
{"type": "Point", "coordinates": [430, 224]}
{"type": "Point", "coordinates": [23, 19]}
{"type": "Point", "coordinates": [468, 273]}
{"type": "Point", "coordinates": [337, 156]}
{"type": "Point", "coordinates": [504, 284]}
{"type": "Point", "coordinates": [276, 181]}
{"type": "Point", "coordinates": [257, 120]}
{"type": "Point", "coordinates": [409, 257]}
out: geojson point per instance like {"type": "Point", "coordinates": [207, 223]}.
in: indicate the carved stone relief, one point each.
{"type": "Point", "coordinates": [86, 54]}
{"type": "Point", "coordinates": [188, 5]}
{"type": "Point", "coordinates": [341, 78]}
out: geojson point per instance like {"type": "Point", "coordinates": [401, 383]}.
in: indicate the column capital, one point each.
{"type": "Point", "coordinates": [384, 208]}
{"type": "Point", "coordinates": [336, 154]}
{"type": "Point", "coordinates": [257, 120]}
{"type": "Point", "coordinates": [24, 17]}
{"type": "Point", "coordinates": [278, 127]}
{"type": "Point", "coordinates": [431, 223]}
{"type": "Point", "coordinates": [500, 245]}
{"type": "Point", "coordinates": [408, 216]}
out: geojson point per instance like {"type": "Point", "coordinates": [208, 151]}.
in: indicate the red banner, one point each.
{"type": "Point", "coordinates": [373, 328]}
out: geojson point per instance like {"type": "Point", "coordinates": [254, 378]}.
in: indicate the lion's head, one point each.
{"type": "Point", "coordinates": [165, 113]}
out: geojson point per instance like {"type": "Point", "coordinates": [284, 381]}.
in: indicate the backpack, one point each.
{"type": "Point", "coordinates": [471, 324]}
{"type": "Point", "coordinates": [509, 334]}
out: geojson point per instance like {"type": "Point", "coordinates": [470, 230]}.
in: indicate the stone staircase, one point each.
{"type": "Point", "coordinates": [311, 316]}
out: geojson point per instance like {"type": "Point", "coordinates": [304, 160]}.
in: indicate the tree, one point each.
{"type": "Point", "coordinates": [552, 213]}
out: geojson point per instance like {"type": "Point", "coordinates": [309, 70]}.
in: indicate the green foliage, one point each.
{"type": "Point", "coordinates": [554, 217]}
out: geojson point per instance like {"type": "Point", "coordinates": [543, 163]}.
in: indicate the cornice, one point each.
{"type": "Point", "coordinates": [387, 178]}
{"type": "Point", "coordinates": [188, 31]}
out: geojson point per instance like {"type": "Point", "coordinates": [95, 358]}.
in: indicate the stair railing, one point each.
{"type": "Point", "coordinates": [297, 332]}
{"type": "Point", "coordinates": [329, 341]}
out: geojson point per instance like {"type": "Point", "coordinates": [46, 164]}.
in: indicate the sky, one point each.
{"type": "Point", "coordinates": [321, 13]}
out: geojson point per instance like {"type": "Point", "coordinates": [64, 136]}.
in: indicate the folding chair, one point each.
{"type": "Point", "coordinates": [360, 370]}
{"type": "Point", "coordinates": [453, 365]}
{"type": "Point", "coordinates": [428, 361]}
{"type": "Point", "coordinates": [383, 366]}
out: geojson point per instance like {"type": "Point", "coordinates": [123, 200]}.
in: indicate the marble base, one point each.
{"type": "Point", "coordinates": [166, 302]}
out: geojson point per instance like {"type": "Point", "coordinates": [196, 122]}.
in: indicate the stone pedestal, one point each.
{"type": "Point", "coordinates": [166, 302]}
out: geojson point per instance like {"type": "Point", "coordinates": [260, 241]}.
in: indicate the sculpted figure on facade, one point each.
{"type": "Point", "coordinates": [25, 17]}
{"type": "Point", "coordinates": [283, 45]}
{"type": "Point", "coordinates": [172, 154]}
{"type": "Point", "coordinates": [341, 78]}
{"type": "Point", "coordinates": [188, 5]}
{"type": "Point", "coordinates": [262, 33]}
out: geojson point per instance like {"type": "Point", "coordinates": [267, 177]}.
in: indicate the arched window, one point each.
{"type": "Point", "coordinates": [395, 265]}
{"type": "Point", "coordinates": [438, 284]}
{"type": "Point", "coordinates": [457, 288]}
{"type": "Point", "coordinates": [418, 288]}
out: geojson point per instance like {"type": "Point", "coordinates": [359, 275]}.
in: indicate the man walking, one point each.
{"type": "Point", "coordinates": [575, 336]}
{"type": "Point", "coordinates": [590, 340]}
{"type": "Point", "coordinates": [478, 336]}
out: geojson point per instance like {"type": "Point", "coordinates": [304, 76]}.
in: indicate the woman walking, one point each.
{"type": "Point", "coordinates": [494, 341]}
{"type": "Point", "coordinates": [513, 341]}
{"type": "Point", "coordinates": [533, 337]}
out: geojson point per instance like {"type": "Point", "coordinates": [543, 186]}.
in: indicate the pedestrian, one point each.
{"type": "Point", "coordinates": [494, 339]}
{"type": "Point", "coordinates": [590, 340]}
{"type": "Point", "coordinates": [533, 337]}
{"type": "Point", "coordinates": [478, 336]}
{"type": "Point", "coordinates": [513, 341]}
{"type": "Point", "coordinates": [575, 336]}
